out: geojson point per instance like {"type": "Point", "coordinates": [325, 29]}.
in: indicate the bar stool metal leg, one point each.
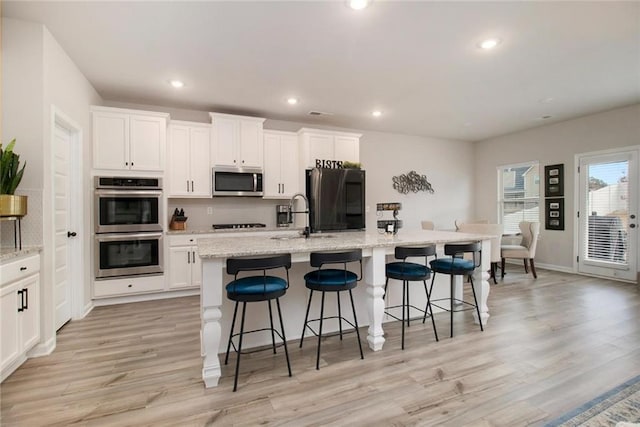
{"type": "Point", "coordinates": [235, 381]}
{"type": "Point", "coordinates": [429, 309]}
{"type": "Point", "coordinates": [452, 285]}
{"type": "Point", "coordinates": [404, 302]}
{"type": "Point", "coordinates": [339, 315]}
{"type": "Point", "coordinates": [320, 333]}
{"type": "Point", "coordinates": [475, 300]}
{"type": "Point", "coordinates": [273, 335]}
{"type": "Point", "coordinates": [284, 338]}
{"type": "Point", "coordinates": [355, 321]}
{"type": "Point", "coordinates": [306, 318]}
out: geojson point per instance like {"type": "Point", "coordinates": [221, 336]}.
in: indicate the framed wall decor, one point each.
{"type": "Point", "coordinates": [554, 180]}
{"type": "Point", "coordinates": [554, 214]}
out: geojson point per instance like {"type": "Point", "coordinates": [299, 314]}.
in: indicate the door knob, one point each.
{"type": "Point", "coordinates": [632, 226]}
{"type": "Point", "coordinates": [632, 216]}
{"type": "Point", "coordinates": [71, 234]}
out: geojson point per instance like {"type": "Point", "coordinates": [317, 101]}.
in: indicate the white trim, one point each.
{"type": "Point", "coordinates": [77, 205]}
{"type": "Point", "coordinates": [146, 297]}
{"type": "Point", "coordinates": [553, 267]}
{"type": "Point", "coordinates": [99, 108]}
{"type": "Point", "coordinates": [87, 309]}
{"type": "Point", "coordinates": [42, 349]}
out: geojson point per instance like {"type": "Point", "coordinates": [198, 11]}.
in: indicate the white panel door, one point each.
{"type": "Point", "coordinates": [608, 210]}
{"type": "Point", "coordinates": [179, 179]}
{"type": "Point", "coordinates": [180, 267]}
{"type": "Point", "coordinates": [147, 143]}
{"type": "Point", "coordinates": [199, 164]}
{"type": "Point", "coordinates": [61, 186]}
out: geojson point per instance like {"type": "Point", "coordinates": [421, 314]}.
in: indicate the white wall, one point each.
{"type": "Point", "coordinates": [38, 74]}
{"type": "Point", "coordinates": [552, 144]}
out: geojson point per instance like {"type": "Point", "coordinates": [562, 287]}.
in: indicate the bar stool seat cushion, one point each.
{"type": "Point", "coordinates": [455, 266]}
{"type": "Point", "coordinates": [330, 278]}
{"type": "Point", "coordinates": [407, 271]}
{"type": "Point", "coordinates": [256, 285]}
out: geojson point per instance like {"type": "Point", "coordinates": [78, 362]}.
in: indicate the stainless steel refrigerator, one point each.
{"type": "Point", "coordinates": [336, 199]}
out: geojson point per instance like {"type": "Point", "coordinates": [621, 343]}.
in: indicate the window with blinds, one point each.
{"type": "Point", "coordinates": [608, 212]}
{"type": "Point", "coordinates": [519, 195]}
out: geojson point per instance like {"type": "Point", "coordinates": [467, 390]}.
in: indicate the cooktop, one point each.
{"type": "Point", "coordinates": [245, 225]}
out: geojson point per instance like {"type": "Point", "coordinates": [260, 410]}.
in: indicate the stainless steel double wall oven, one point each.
{"type": "Point", "coordinates": [128, 227]}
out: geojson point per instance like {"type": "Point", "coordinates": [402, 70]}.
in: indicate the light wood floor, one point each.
{"type": "Point", "coordinates": [551, 344]}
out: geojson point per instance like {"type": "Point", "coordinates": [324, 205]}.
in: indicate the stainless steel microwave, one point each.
{"type": "Point", "coordinates": [231, 181]}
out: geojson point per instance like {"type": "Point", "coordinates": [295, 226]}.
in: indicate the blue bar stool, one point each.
{"type": "Point", "coordinates": [332, 280]}
{"type": "Point", "coordinates": [410, 272]}
{"type": "Point", "coordinates": [256, 288]}
{"type": "Point", "coordinates": [456, 265]}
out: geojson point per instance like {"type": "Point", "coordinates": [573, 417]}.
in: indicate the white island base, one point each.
{"type": "Point", "coordinates": [375, 248]}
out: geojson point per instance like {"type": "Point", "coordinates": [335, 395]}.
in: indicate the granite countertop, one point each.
{"type": "Point", "coordinates": [11, 253]}
{"type": "Point", "coordinates": [223, 247]}
{"type": "Point", "coordinates": [229, 230]}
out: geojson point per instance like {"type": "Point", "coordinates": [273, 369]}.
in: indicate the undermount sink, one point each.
{"type": "Point", "coordinates": [295, 237]}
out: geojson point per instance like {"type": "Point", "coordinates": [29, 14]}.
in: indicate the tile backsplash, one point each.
{"type": "Point", "coordinates": [225, 210]}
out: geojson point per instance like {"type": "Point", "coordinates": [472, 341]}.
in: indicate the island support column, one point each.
{"type": "Point", "coordinates": [210, 331]}
{"type": "Point", "coordinates": [481, 282]}
{"type": "Point", "coordinates": [374, 276]}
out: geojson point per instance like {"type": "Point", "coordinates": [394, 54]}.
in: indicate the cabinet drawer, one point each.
{"type": "Point", "coordinates": [187, 239]}
{"type": "Point", "coordinates": [19, 268]}
{"type": "Point", "coordinates": [135, 285]}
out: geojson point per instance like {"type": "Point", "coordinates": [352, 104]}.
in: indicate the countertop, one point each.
{"type": "Point", "coordinates": [229, 230]}
{"type": "Point", "coordinates": [11, 253]}
{"type": "Point", "coordinates": [224, 247]}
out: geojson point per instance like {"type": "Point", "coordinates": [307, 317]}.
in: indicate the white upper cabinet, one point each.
{"type": "Point", "coordinates": [188, 166]}
{"type": "Point", "coordinates": [281, 166]}
{"type": "Point", "coordinates": [322, 148]}
{"type": "Point", "coordinates": [237, 140]}
{"type": "Point", "coordinates": [126, 140]}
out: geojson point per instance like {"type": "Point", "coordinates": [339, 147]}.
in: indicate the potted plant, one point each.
{"type": "Point", "coordinates": [10, 176]}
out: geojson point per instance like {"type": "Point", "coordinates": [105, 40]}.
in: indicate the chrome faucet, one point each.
{"type": "Point", "coordinates": [290, 212]}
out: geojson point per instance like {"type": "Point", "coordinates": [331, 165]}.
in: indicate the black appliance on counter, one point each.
{"type": "Point", "coordinates": [336, 199]}
{"type": "Point", "coordinates": [242, 225]}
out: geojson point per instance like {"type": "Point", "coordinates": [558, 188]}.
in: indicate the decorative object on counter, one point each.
{"type": "Point", "coordinates": [178, 220]}
{"type": "Point", "coordinates": [390, 226]}
{"type": "Point", "coordinates": [411, 182]}
{"type": "Point", "coordinates": [351, 165]}
{"type": "Point", "coordinates": [12, 207]}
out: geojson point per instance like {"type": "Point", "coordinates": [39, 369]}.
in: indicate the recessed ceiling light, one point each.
{"type": "Point", "coordinates": [292, 101]}
{"type": "Point", "coordinates": [376, 113]}
{"type": "Point", "coordinates": [358, 4]}
{"type": "Point", "coordinates": [176, 83]}
{"type": "Point", "coordinates": [489, 44]}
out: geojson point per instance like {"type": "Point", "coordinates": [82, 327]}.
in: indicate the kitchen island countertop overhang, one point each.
{"type": "Point", "coordinates": [214, 251]}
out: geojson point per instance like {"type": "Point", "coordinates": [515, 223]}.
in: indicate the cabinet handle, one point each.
{"type": "Point", "coordinates": [194, 256]}
{"type": "Point", "coordinates": [126, 163]}
{"type": "Point", "coordinates": [192, 186]}
{"type": "Point", "coordinates": [243, 161]}
{"type": "Point", "coordinates": [187, 186]}
{"type": "Point", "coordinates": [129, 286]}
{"type": "Point", "coordinates": [188, 258]}
{"type": "Point", "coordinates": [131, 163]}
{"type": "Point", "coordinates": [23, 268]}
{"type": "Point", "coordinates": [283, 188]}
{"type": "Point", "coordinates": [21, 307]}
{"type": "Point", "coordinates": [25, 292]}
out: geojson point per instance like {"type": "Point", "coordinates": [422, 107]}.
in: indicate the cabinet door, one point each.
{"type": "Point", "coordinates": [30, 317]}
{"type": "Point", "coordinates": [147, 143]}
{"type": "Point", "coordinates": [251, 142]}
{"type": "Point", "coordinates": [199, 164]}
{"type": "Point", "coordinates": [272, 160]}
{"type": "Point", "coordinates": [225, 139]}
{"type": "Point", "coordinates": [290, 168]}
{"type": "Point", "coordinates": [9, 338]}
{"type": "Point", "coordinates": [347, 148]}
{"type": "Point", "coordinates": [110, 141]}
{"type": "Point", "coordinates": [180, 267]}
{"type": "Point", "coordinates": [320, 148]}
{"type": "Point", "coordinates": [179, 179]}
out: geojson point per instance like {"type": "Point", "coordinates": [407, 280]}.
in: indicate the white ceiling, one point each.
{"type": "Point", "coordinates": [416, 61]}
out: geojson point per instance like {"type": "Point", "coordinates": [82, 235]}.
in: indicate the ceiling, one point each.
{"type": "Point", "coordinates": [417, 62]}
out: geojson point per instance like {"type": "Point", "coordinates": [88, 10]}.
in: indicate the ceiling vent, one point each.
{"type": "Point", "coordinates": [319, 113]}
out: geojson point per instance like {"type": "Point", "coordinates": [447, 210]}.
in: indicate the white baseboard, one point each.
{"type": "Point", "coordinates": [146, 297]}
{"type": "Point", "coordinates": [552, 267]}
{"type": "Point", "coordinates": [87, 309]}
{"type": "Point", "coordinates": [43, 349]}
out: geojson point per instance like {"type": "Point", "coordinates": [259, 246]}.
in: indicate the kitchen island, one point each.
{"type": "Point", "coordinates": [375, 246]}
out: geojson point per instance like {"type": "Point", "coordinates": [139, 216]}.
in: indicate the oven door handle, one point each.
{"type": "Point", "coordinates": [129, 193]}
{"type": "Point", "coordinates": [112, 237]}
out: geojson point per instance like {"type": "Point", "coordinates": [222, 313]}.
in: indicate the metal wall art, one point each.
{"type": "Point", "coordinates": [411, 182]}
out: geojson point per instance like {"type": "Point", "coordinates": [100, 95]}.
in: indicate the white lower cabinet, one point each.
{"type": "Point", "coordinates": [128, 286]}
{"type": "Point", "coordinates": [19, 311]}
{"type": "Point", "coordinates": [185, 268]}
